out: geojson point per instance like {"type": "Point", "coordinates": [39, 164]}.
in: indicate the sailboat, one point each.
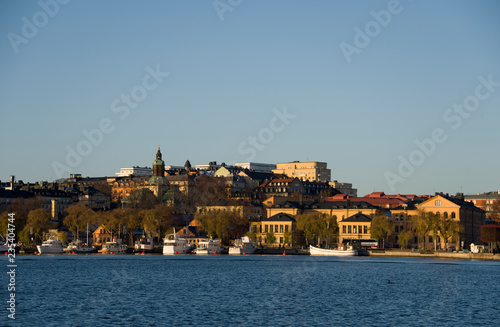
{"type": "Point", "coordinates": [85, 248]}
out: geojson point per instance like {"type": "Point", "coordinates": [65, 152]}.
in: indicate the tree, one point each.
{"type": "Point", "coordinates": [79, 215]}
{"type": "Point", "coordinates": [270, 238]}
{"type": "Point", "coordinates": [495, 208]}
{"type": "Point", "coordinates": [316, 224]}
{"type": "Point", "coordinates": [381, 227]}
{"type": "Point", "coordinates": [38, 222]}
{"type": "Point", "coordinates": [404, 237]}
{"type": "Point", "coordinates": [308, 224]}
{"type": "Point", "coordinates": [449, 228]}
{"type": "Point", "coordinates": [423, 223]}
{"type": "Point", "coordinates": [288, 238]}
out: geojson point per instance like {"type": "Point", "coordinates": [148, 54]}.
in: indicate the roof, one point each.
{"type": "Point", "coordinates": [279, 217]}
{"type": "Point", "coordinates": [488, 195]}
{"type": "Point", "coordinates": [358, 218]}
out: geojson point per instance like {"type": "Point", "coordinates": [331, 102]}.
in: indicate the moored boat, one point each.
{"type": "Point", "coordinates": [176, 245]}
{"type": "Point", "coordinates": [84, 248]}
{"type": "Point", "coordinates": [343, 251]}
{"type": "Point", "coordinates": [209, 247]}
{"type": "Point", "coordinates": [115, 247]}
{"type": "Point", "coordinates": [50, 247]}
{"type": "Point", "coordinates": [144, 245]}
{"type": "Point", "coordinates": [242, 246]}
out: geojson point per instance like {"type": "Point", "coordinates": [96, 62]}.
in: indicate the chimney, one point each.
{"type": "Point", "coordinates": [55, 210]}
{"type": "Point", "coordinates": [12, 180]}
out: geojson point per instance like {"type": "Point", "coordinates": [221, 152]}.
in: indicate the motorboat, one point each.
{"type": "Point", "coordinates": [50, 247]}
{"type": "Point", "coordinates": [342, 251]}
{"type": "Point", "coordinates": [144, 245]}
{"type": "Point", "coordinates": [115, 247]}
{"type": "Point", "coordinates": [172, 244]}
{"type": "Point", "coordinates": [209, 247]}
{"type": "Point", "coordinates": [84, 249]}
{"type": "Point", "coordinates": [242, 246]}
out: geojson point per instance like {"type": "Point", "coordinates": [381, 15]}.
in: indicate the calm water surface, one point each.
{"type": "Point", "coordinates": [156, 290]}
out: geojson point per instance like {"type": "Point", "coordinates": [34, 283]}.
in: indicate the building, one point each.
{"type": "Point", "coordinates": [305, 171]}
{"type": "Point", "coordinates": [158, 183]}
{"type": "Point", "coordinates": [355, 228]}
{"type": "Point", "coordinates": [124, 186]}
{"type": "Point", "coordinates": [281, 226]}
{"type": "Point", "coordinates": [135, 171]}
{"type": "Point", "coordinates": [256, 167]}
{"type": "Point", "coordinates": [487, 202]}
{"type": "Point", "coordinates": [95, 199]}
{"type": "Point", "coordinates": [282, 187]}
{"type": "Point", "coordinates": [344, 188]}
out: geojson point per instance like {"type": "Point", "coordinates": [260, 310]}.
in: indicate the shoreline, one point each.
{"type": "Point", "coordinates": [439, 255]}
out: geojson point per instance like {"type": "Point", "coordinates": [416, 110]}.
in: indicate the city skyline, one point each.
{"type": "Point", "coordinates": [396, 96]}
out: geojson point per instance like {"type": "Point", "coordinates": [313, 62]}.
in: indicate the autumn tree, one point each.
{"type": "Point", "coordinates": [423, 223]}
{"type": "Point", "coordinates": [317, 225]}
{"type": "Point", "coordinates": [381, 227]}
{"type": "Point", "coordinates": [495, 208]}
{"type": "Point", "coordinates": [449, 229]}
{"type": "Point", "coordinates": [78, 216]}
{"type": "Point", "coordinates": [404, 237]}
{"type": "Point", "coordinates": [38, 222]}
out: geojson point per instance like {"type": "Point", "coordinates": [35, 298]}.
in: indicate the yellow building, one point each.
{"type": "Point", "coordinates": [306, 171]}
{"type": "Point", "coordinates": [281, 226]}
{"type": "Point", "coordinates": [356, 227]}
{"type": "Point", "coordinates": [470, 217]}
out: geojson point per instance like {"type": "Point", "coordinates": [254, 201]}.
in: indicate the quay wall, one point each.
{"type": "Point", "coordinates": [444, 255]}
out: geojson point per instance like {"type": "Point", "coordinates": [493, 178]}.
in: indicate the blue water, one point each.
{"type": "Point", "coordinates": [156, 290]}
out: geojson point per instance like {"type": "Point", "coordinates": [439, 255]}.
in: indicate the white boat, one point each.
{"type": "Point", "coordinates": [176, 245]}
{"type": "Point", "coordinates": [144, 245]}
{"type": "Point", "coordinates": [71, 246]}
{"type": "Point", "coordinates": [243, 246]}
{"type": "Point", "coordinates": [51, 247]}
{"type": "Point", "coordinates": [209, 247]}
{"type": "Point", "coordinates": [343, 251]}
{"type": "Point", "coordinates": [115, 247]}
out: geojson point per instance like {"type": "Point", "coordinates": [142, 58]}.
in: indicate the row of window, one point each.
{"type": "Point", "coordinates": [272, 228]}
{"type": "Point", "coordinates": [355, 229]}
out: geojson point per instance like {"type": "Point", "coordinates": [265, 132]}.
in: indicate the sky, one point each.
{"type": "Point", "coordinates": [396, 96]}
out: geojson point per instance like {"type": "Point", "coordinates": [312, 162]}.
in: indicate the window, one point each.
{"type": "Point", "coordinates": [281, 228]}
{"type": "Point", "coordinates": [281, 240]}
{"type": "Point", "coordinates": [430, 239]}
{"type": "Point", "coordinates": [453, 215]}
{"type": "Point", "coordinates": [349, 229]}
{"type": "Point", "coordinates": [396, 228]}
{"type": "Point", "coordinates": [437, 203]}
{"type": "Point", "coordinates": [354, 230]}
{"type": "Point", "coordinates": [344, 229]}
{"type": "Point", "coordinates": [438, 213]}
{"type": "Point", "coordinates": [365, 229]}
{"type": "Point", "coordinates": [445, 214]}
{"type": "Point", "coordinates": [275, 228]}
{"type": "Point", "coordinates": [260, 228]}
{"type": "Point", "coordinates": [266, 229]}
{"type": "Point", "coordinates": [286, 228]}
{"type": "Point", "coordinates": [401, 217]}
{"type": "Point", "coordinates": [255, 228]}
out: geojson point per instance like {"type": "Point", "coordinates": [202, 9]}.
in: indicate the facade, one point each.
{"type": "Point", "coordinates": [282, 187]}
{"type": "Point", "coordinates": [487, 202]}
{"type": "Point", "coordinates": [470, 217]}
{"type": "Point", "coordinates": [123, 187]}
{"type": "Point", "coordinates": [101, 236]}
{"type": "Point", "coordinates": [282, 226]}
{"type": "Point", "coordinates": [256, 167]}
{"type": "Point", "coordinates": [344, 188]}
{"type": "Point", "coordinates": [135, 171]}
{"type": "Point", "coordinates": [243, 209]}
{"type": "Point", "coordinates": [305, 171]}
{"type": "Point", "coordinates": [95, 199]}
{"type": "Point", "coordinates": [355, 227]}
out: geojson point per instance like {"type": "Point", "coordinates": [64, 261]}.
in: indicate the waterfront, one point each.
{"type": "Point", "coordinates": [155, 290]}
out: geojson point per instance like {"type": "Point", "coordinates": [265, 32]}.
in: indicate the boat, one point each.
{"type": "Point", "coordinates": [114, 247]}
{"type": "Point", "coordinates": [144, 245]}
{"type": "Point", "coordinates": [243, 246]}
{"type": "Point", "coordinates": [209, 247]}
{"type": "Point", "coordinates": [343, 251]}
{"type": "Point", "coordinates": [84, 248]}
{"type": "Point", "coordinates": [50, 247]}
{"type": "Point", "coordinates": [71, 246]}
{"type": "Point", "coordinates": [176, 245]}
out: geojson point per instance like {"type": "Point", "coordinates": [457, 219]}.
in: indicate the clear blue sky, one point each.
{"type": "Point", "coordinates": [226, 76]}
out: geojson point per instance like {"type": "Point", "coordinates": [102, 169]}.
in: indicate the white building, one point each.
{"type": "Point", "coordinates": [257, 167]}
{"type": "Point", "coordinates": [136, 171]}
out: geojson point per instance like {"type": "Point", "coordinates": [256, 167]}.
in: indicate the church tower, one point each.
{"type": "Point", "coordinates": [158, 165]}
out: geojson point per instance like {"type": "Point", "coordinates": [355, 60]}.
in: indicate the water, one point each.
{"type": "Point", "coordinates": [156, 290]}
